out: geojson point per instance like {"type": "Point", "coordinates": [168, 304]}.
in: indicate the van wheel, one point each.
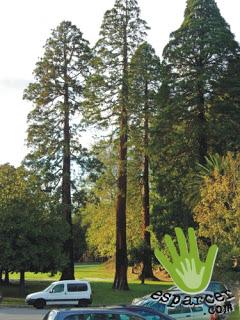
{"type": "Point", "coordinates": [83, 303]}
{"type": "Point", "coordinates": [39, 303]}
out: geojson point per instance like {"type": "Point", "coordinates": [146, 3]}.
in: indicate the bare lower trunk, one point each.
{"type": "Point", "coordinates": [120, 280]}
{"type": "Point", "coordinates": [22, 283]}
{"type": "Point", "coordinates": [6, 278]}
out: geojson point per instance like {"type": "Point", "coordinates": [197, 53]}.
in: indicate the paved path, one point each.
{"type": "Point", "coordinates": [21, 314]}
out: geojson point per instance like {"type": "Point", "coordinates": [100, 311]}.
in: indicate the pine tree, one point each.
{"type": "Point", "coordinates": [107, 97]}
{"type": "Point", "coordinates": [144, 88]}
{"type": "Point", "coordinates": [53, 133]}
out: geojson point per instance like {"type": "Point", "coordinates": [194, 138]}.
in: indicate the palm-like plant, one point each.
{"type": "Point", "coordinates": [214, 163]}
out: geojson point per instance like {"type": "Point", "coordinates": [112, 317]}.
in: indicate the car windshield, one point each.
{"type": "Point", "coordinates": [102, 316]}
{"type": "Point", "coordinates": [216, 287]}
{"type": "Point", "coordinates": [160, 307]}
{"type": "Point", "coordinates": [50, 315]}
{"type": "Point", "coordinates": [148, 315]}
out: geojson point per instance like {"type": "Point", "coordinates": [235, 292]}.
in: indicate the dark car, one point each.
{"type": "Point", "coordinates": [92, 314]}
{"type": "Point", "coordinates": [147, 313]}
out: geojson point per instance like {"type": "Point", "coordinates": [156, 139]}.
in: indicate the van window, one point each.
{"type": "Point", "coordinates": [58, 288]}
{"type": "Point", "coordinates": [75, 287]}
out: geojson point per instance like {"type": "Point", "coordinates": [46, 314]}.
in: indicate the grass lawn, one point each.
{"type": "Point", "coordinates": [101, 279]}
{"type": "Point", "coordinates": [235, 315]}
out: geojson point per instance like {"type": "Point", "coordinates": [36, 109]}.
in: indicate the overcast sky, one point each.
{"type": "Point", "coordinates": [26, 24]}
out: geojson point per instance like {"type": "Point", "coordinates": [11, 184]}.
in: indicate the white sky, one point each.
{"type": "Point", "coordinates": [26, 24]}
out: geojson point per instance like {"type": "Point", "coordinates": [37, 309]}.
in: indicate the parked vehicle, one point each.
{"type": "Point", "coordinates": [214, 286]}
{"type": "Point", "coordinates": [66, 292]}
{"type": "Point", "coordinates": [92, 314]}
{"type": "Point", "coordinates": [180, 312]}
{"type": "Point", "coordinates": [147, 313]}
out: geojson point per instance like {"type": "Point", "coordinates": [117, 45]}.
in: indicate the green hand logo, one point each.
{"type": "Point", "coordinates": [189, 273]}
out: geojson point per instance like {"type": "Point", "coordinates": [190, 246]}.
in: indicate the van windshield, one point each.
{"type": "Point", "coordinates": [49, 288]}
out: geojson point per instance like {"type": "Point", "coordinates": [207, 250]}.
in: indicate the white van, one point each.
{"type": "Point", "coordinates": [66, 292]}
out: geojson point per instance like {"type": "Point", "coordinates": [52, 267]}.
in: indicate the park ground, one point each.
{"type": "Point", "coordinates": [101, 278]}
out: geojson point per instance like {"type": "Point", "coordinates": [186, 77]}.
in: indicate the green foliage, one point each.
{"type": "Point", "coordinates": [145, 76]}
{"type": "Point", "coordinates": [144, 79]}
{"type": "Point", "coordinates": [107, 102]}
{"type": "Point", "coordinates": [28, 224]}
{"type": "Point", "coordinates": [121, 29]}
{"type": "Point", "coordinates": [59, 77]}
{"type": "Point", "coordinates": [79, 237]}
{"type": "Point", "coordinates": [217, 212]}
{"type": "Point", "coordinates": [100, 214]}
{"type": "Point", "coordinates": [139, 253]}
{"type": "Point", "coordinates": [198, 107]}
{"type": "Point", "coordinates": [213, 162]}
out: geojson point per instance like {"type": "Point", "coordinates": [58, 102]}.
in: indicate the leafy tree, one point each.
{"type": "Point", "coordinates": [196, 96]}
{"type": "Point", "coordinates": [217, 212]}
{"type": "Point", "coordinates": [107, 99]}
{"type": "Point", "coordinates": [144, 88]}
{"type": "Point", "coordinates": [28, 224]}
{"type": "Point", "coordinates": [99, 214]}
{"type": "Point", "coordinates": [79, 237]}
{"type": "Point", "coordinates": [54, 123]}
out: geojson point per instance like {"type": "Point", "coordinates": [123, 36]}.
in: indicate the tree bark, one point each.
{"type": "Point", "coordinates": [120, 280]}
{"type": "Point", "coordinates": [147, 263]}
{"type": "Point", "coordinates": [22, 282]}
{"type": "Point", "coordinates": [68, 272]}
{"type": "Point", "coordinates": [6, 278]}
{"type": "Point", "coordinates": [201, 119]}
{"type": "Point", "coordinates": [202, 129]}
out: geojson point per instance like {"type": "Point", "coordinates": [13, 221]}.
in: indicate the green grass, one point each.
{"type": "Point", "coordinates": [100, 277]}
{"type": "Point", "coordinates": [94, 271]}
{"type": "Point", "coordinates": [235, 315]}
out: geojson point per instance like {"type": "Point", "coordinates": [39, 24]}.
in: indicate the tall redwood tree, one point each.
{"type": "Point", "coordinates": [107, 98]}
{"type": "Point", "coordinates": [53, 133]}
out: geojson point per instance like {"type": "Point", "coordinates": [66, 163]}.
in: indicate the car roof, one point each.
{"type": "Point", "coordinates": [71, 281]}
{"type": "Point", "coordinates": [211, 282]}
{"type": "Point", "coordinates": [143, 308]}
{"type": "Point", "coordinates": [92, 309]}
{"type": "Point", "coordinates": [184, 294]}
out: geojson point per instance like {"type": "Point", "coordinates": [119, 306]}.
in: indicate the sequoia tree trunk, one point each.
{"type": "Point", "coordinates": [6, 278]}
{"type": "Point", "coordinates": [120, 280]}
{"type": "Point", "coordinates": [202, 124]}
{"type": "Point", "coordinates": [147, 261]}
{"type": "Point", "coordinates": [22, 282]}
